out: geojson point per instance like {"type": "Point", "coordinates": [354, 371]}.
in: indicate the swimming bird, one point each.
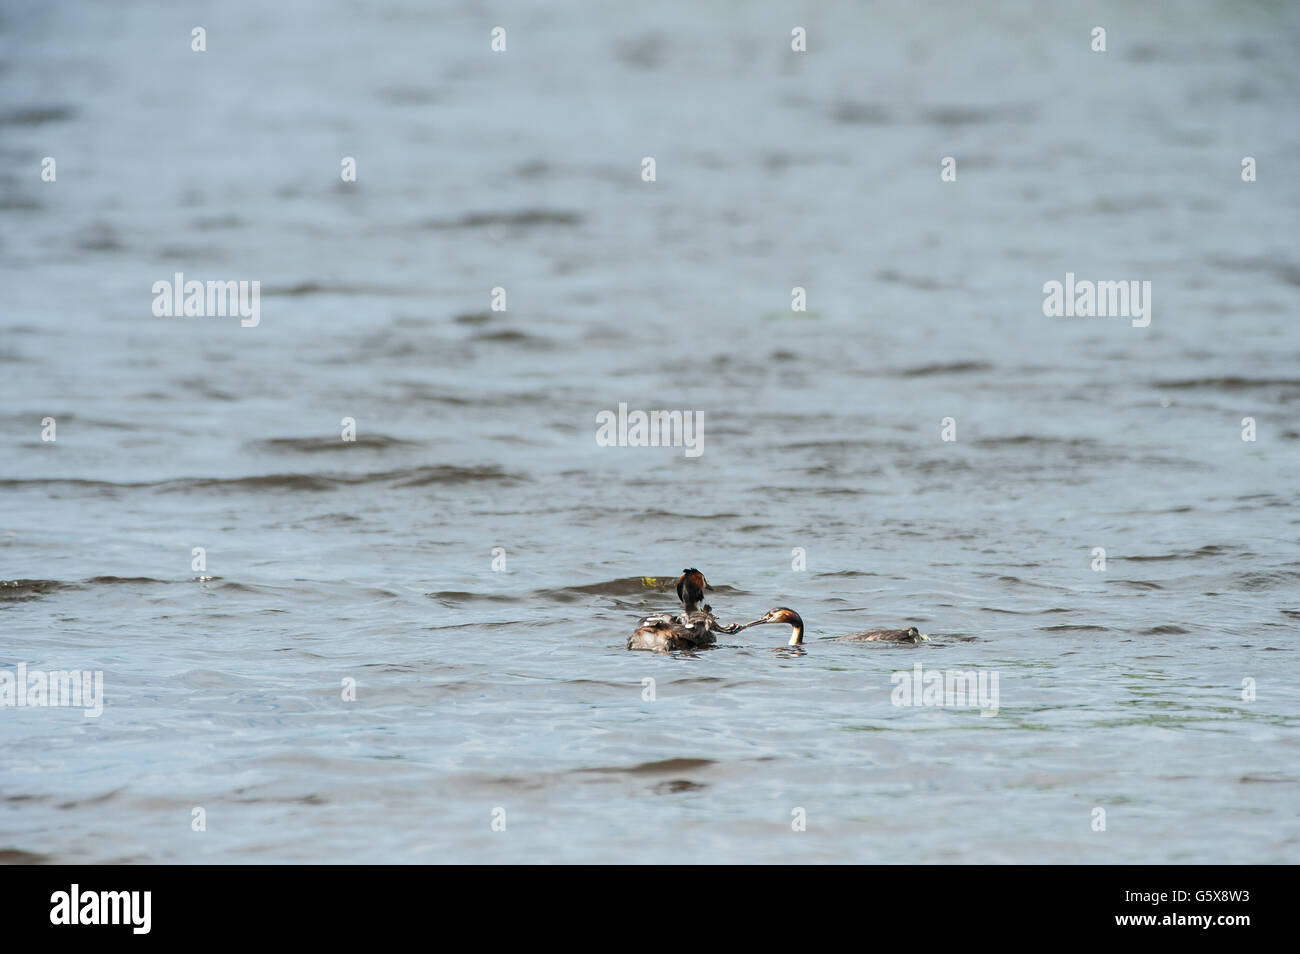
{"type": "Point", "coordinates": [783, 614]}
{"type": "Point", "coordinates": [910, 635]}
{"type": "Point", "coordinates": [690, 589]}
{"type": "Point", "coordinates": [664, 632]}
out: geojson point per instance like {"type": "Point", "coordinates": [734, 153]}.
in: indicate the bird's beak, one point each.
{"type": "Point", "coordinates": [756, 622]}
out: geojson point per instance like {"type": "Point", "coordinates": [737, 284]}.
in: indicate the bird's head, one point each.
{"type": "Point", "coordinates": [782, 614]}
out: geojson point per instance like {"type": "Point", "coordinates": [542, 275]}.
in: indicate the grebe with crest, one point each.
{"type": "Point", "coordinates": [665, 632]}
{"type": "Point", "coordinates": [692, 628]}
{"type": "Point", "coordinates": [783, 614]}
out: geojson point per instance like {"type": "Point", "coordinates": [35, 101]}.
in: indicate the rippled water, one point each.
{"type": "Point", "coordinates": [481, 689]}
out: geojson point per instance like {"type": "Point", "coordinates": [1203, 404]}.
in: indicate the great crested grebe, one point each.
{"type": "Point", "coordinates": [664, 632]}
{"type": "Point", "coordinates": [784, 614]}
{"type": "Point", "coordinates": [690, 589]}
{"type": "Point", "coordinates": [695, 626]}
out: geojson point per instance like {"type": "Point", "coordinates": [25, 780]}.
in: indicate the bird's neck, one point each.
{"type": "Point", "coordinates": [796, 634]}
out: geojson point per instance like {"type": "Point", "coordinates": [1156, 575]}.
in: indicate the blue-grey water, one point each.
{"type": "Point", "coordinates": [1162, 690]}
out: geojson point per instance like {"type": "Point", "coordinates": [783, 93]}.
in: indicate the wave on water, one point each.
{"type": "Point", "coordinates": [16, 856]}
{"type": "Point", "coordinates": [628, 586]}
{"type": "Point", "coordinates": [521, 219]}
{"type": "Point", "coordinates": [953, 367]}
{"type": "Point", "coordinates": [1210, 550]}
{"type": "Point", "coordinates": [402, 477]}
{"type": "Point", "coordinates": [20, 590]}
{"type": "Point", "coordinates": [459, 597]}
{"type": "Point", "coordinates": [98, 580]}
{"type": "Point", "coordinates": [37, 115]}
{"type": "Point", "coordinates": [302, 289]}
{"type": "Point", "coordinates": [1226, 383]}
{"type": "Point", "coordinates": [317, 445]}
{"type": "Point", "coordinates": [651, 768]}
{"type": "Point", "coordinates": [1035, 439]}
{"type": "Point", "coordinates": [513, 336]}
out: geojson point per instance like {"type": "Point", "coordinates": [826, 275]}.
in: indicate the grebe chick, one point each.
{"type": "Point", "coordinates": [783, 614]}
{"type": "Point", "coordinates": [665, 632]}
{"type": "Point", "coordinates": [910, 635]}
{"type": "Point", "coordinates": [690, 589]}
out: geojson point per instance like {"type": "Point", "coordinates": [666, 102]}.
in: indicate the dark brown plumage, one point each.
{"type": "Point", "coordinates": [690, 589]}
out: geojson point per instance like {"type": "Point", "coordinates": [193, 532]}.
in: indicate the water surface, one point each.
{"type": "Point", "coordinates": [479, 689]}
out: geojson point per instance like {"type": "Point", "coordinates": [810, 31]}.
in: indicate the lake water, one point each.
{"type": "Point", "coordinates": [1162, 690]}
